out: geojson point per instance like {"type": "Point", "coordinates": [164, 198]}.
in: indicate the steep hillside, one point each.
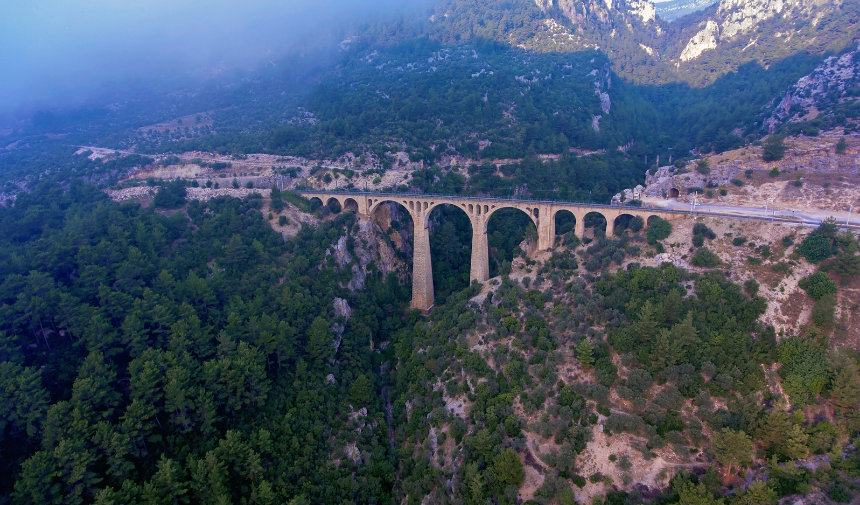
{"type": "Point", "coordinates": [824, 99]}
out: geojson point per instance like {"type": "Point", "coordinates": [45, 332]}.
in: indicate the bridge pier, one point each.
{"type": "Point", "coordinates": [579, 226]}
{"type": "Point", "coordinates": [422, 269]}
{"type": "Point", "coordinates": [545, 227]}
{"type": "Point", "coordinates": [480, 270]}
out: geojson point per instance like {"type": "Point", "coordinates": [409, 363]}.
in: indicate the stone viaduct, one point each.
{"type": "Point", "coordinates": [479, 210]}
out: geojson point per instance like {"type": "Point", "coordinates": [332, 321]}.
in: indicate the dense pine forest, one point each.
{"type": "Point", "coordinates": [156, 358]}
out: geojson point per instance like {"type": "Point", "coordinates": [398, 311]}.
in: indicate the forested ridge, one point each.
{"type": "Point", "coordinates": [184, 358]}
{"type": "Point", "coordinates": [195, 355]}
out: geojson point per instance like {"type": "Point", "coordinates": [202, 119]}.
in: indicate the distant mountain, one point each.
{"type": "Point", "coordinates": [674, 9]}
{"type": "Point", "coordinates": [643, 46]}
{"type": "Point", "coordinates": [701, 46]}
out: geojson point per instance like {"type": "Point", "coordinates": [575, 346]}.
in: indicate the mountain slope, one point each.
{"type": "Point", "coordinates": [696, 48]}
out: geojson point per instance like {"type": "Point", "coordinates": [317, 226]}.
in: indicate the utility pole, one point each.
{"type": "Point", "coordinates": [850, 208]}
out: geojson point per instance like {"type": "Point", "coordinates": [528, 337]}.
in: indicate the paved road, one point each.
{"type": "Point", "coordinates": [807, 217]}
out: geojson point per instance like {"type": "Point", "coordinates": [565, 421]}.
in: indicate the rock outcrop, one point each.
{"type": "Point", "coordinates": [703, 41]}
{"type": "Point", "coordinates": [369, 245]}
{"type": "Point", "coordinates": [828, 84]}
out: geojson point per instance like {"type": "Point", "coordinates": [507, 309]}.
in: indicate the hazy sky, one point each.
{"type": "Point", "coordinates": [54, 52]}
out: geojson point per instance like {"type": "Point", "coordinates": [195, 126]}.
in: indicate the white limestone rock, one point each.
{"type": "Point", "coordinates": [703, 41]}
{"type": "Point", "coordinates": [645, 10]}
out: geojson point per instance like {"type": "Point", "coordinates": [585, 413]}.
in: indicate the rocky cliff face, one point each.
{"type": "Point", "coordinates": [734, 18]}
{"type": "Point", "coordinates": [697, 48]}
{"type": "Point", "coordinates": [833, 82]}
{"type": "Point", "coordinates": [581, 10]}
{"type": "Point", "coordinates": [369, 246]}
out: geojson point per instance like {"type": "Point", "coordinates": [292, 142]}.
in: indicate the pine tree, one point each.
{"type": "Point", "coordinates": [847, 263]}
{"type": "Point", "coordinates": [93, 386]}
{"type": "Point", "coordinates": [795, 443]}
{"type": "Point", "coordinates": [319, 340]}
{"type": "Point", "coordinates": [845, 393]}
{"type": "Point", "coordinates": [760, 493]}
{"type": "Point", "coordinates": [665, 351]}
{"type": "Point", "coordinates": [773, 431]}
{"type": "Point", "coordinates": [361, 390]}
{"type": "Point", "coordinates": [672, 307]}
{"type": "Point", "coordinates": [508, 467]}
{"type": "Point", "coordinates": [732, 448]}
{"type": "Point", "coordinates": [692, 494]}
{"type": "Point", "coordinates": [646, 327]}
{"type": "Point", "coordinates": [585, 353]}
{"type": "Point", "coordinates": [166, 486]}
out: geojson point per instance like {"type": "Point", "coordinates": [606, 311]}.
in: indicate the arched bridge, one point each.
{"type": "Point", "coordinates": [479, 210]}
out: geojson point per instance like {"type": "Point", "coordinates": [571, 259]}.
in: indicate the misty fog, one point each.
{"type": "Point", "coordinates": [60, 53]}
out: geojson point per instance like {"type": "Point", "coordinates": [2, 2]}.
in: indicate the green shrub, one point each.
{"type": "Point", "coordinates": [839, 493]}
{"type": "Point", "coordinates": [816, 247]}
{"type": "Point", "coordinates": [702, 167]}
{"type": "Point", "coordinates": [738, 241]}
{"type": "Point", "coordinates": [774, 172]}
{"type": "Point", "coordinates": [774, 148]}
{"type": "Point", "coordinates": [737, 182]}
{"type": "Point", "coordinates": [824, 312]}
{"type": "Point", "coordinates": [818, 285]}
{"type": "Point", "coordinates": [705, 258]}
{"type": "Point", "coordinates": [658, 229]}
{"type": "Point", "coordinates": [702, 229]}
{"type": "Point", "coordinates": [698, 240]}
{"type": "Point", "coordinates": [751, 286]}
{"type": "Point", "coordinates": [840, 146]}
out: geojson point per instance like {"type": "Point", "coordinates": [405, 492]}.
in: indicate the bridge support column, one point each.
{"type": "Point", "coordinates": [579, 228]}
{"type": "Point", "coordinates": [546, 228]}
{"type": "Point", "coordinates": [480, 254]}
{"type": "Point", "coordinates": [422, 269]}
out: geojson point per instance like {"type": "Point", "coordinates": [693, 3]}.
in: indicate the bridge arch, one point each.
{"type": "Point", "coordinates": [527, 211]}
{"type": "Point", "coordinates": [596, 220]}
{"type": "Point", "coordinates": [451, 231]}
{"type": "Point", "coordinates": [334, 205]}
{"type": "Point", "coordinates": [627, 221]}
{"type": "Point", "coordinates": [315, 203]}
{"type": "Point", "coordinates": [651, 218]}
{"type": "Point", "coordinates": [350, 205]}
{"type": "Point", "coordinates": [565, 221]}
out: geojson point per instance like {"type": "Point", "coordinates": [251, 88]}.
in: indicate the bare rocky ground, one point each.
{"type": "Point", "coordinates": [828, 181]}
